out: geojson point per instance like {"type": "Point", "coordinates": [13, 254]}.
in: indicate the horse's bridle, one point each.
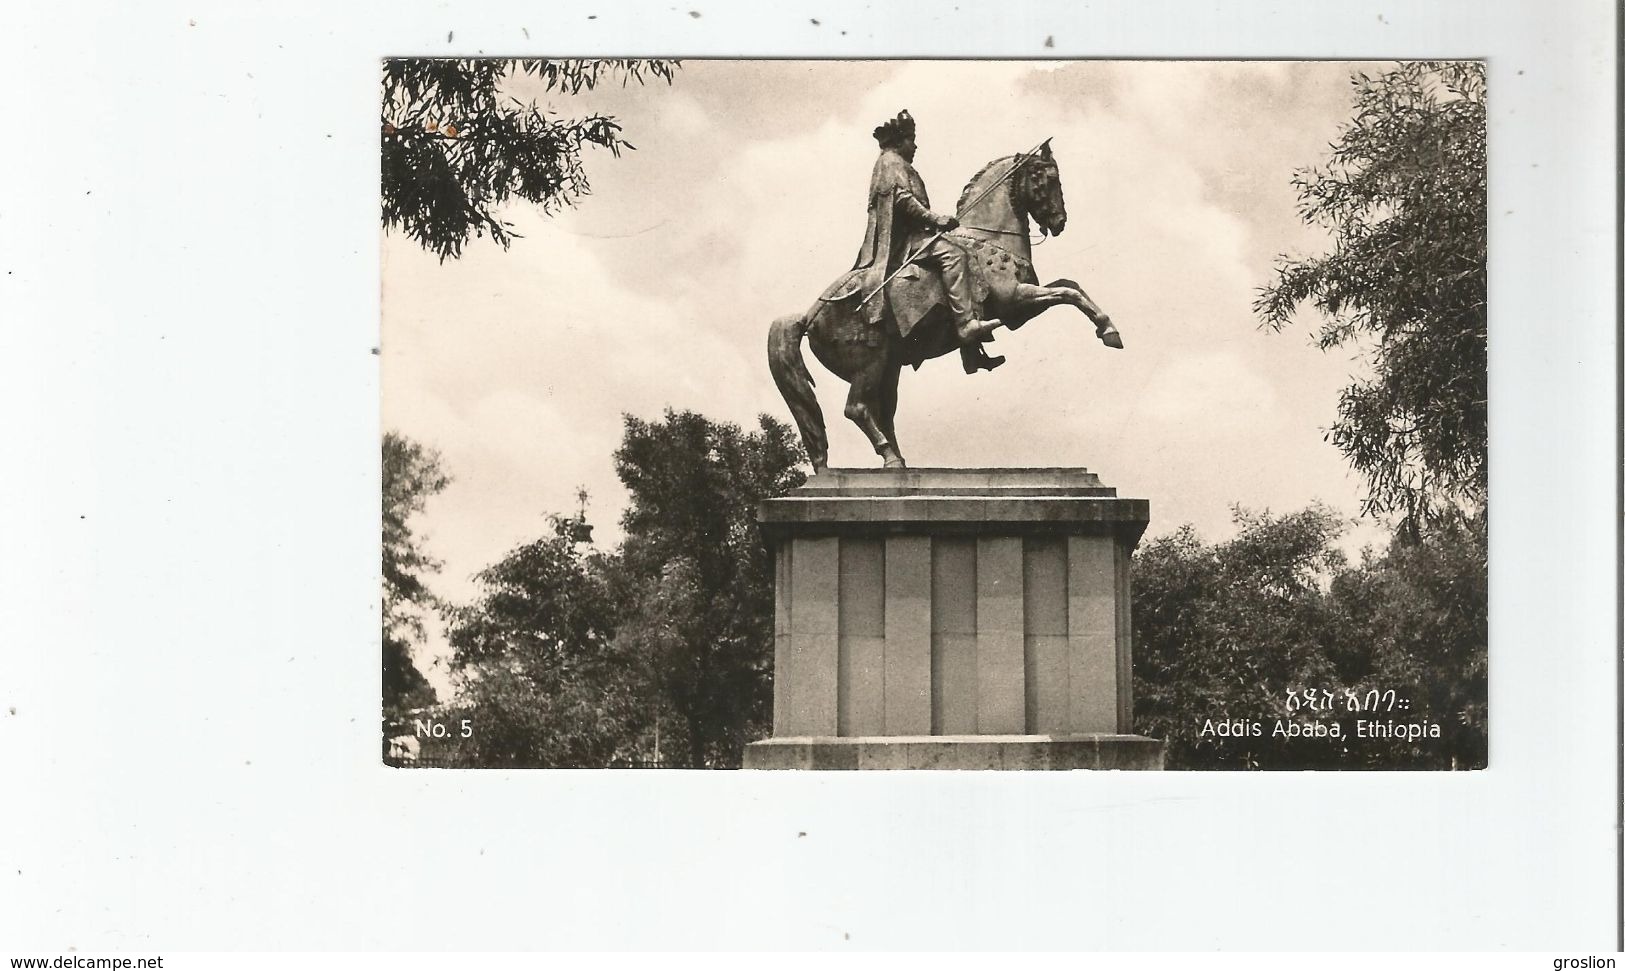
{"type": "Point", "coordinates": [1031, 241]}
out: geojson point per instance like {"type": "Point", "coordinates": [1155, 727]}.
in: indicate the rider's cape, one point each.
{"type": "Point", "coordinates": [886, 238]}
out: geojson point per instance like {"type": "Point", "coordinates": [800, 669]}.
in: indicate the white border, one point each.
{"type": "Point", "coordinates": [191, 253]}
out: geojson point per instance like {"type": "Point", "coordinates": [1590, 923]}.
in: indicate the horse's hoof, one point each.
{"type": "Point", "coordinates": [896, 463]}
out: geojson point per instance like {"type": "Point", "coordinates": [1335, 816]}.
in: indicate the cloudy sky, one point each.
{"type": "Point", "coordinates": [746, 197]}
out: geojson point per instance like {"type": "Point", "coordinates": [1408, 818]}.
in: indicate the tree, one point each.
{"type": "Point", "coordinates": [1420, 616]}
{"type": "Point", "coordinates": [411, 475]}
{"type": "Point", "coordinates": [541, 676]}
{"type": "Point", "coordinates": [574, 657]}
{"type": "Point", "coordinates": [455, 146]}
{"type": "Point", "coordinates": [1404, 196]}
{"type": "Point", "coordinates": [1226, 632]}
{"type": "Point", "coordinates": [698, 600]}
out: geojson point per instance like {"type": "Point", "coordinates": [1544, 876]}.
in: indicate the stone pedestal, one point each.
{"type": "Point", "coordinates": [953, 618]}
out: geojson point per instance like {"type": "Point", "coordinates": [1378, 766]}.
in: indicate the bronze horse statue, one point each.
{"type": "Point", "coordinates": [993, 214]}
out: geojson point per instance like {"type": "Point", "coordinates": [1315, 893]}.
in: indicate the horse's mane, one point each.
{"type": "Point", "coordinates": [964, 195]}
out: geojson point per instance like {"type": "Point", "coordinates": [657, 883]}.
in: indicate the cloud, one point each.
{"type": "Point", "coordinates": [519, 370]}
{"type": "Point", "coordinates": [1219, 393]}
{"type": "Point", "coordinates": [746, 197]}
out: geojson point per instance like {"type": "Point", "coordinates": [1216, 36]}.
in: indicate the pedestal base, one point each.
{"type": "Point", "coordinates": [1010, 752]}
{"type": "Point", "coordinates": [953, 619]}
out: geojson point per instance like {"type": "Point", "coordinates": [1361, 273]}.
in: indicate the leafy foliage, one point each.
{"type": "Point", "coordinates": [1419, 616]}
{"type": "Point", "coordinates": [455, 146]}
{"type": "Point", "coordinates": [540, 674]}
{"type": "Point", "coordinates": [1404, 195]}
{"type": "Point", "coordinates": [1225, 631]}
{"type": "Point", "coordinates": [574, 658]}
{"type": "Point", "coordinates": [699, 580]}
{"type": "Point", "coordinates": [411, 475]}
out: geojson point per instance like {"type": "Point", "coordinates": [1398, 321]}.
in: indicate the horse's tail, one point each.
{"type": "Point", "coordinates": [796, 385]}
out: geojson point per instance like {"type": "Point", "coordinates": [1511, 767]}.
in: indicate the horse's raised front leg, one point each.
{"type": "Point", "coordinates": [1074, 295]}
{"type": "Point", "coordinates": [865, 406]}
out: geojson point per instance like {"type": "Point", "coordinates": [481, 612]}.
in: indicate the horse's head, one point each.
{"type": "Point", "coordinates": [1038, 191]}
{"type": "Point", "coordinates": [1008, 190]}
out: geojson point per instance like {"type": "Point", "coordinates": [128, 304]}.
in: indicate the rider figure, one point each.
{"type": "Point", "coordinates": [901, 226]}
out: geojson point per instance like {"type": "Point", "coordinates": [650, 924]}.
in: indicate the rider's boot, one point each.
{"type": "Point", "coordinates": [972, 331]}
{"type": "Point", "coordinates": [973, 358]}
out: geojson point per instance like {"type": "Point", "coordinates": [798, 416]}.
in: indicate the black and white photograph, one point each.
{"type": "Point", "coordinates": [934, 414]}
{"type": "Point", "coordinates": [966, 480]}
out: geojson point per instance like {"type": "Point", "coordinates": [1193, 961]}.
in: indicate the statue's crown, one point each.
{"type": "Point", "coordinates": [895, 130]}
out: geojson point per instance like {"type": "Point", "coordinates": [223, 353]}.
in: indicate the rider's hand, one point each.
{"type": "Point", "coordinates": [946, 223]}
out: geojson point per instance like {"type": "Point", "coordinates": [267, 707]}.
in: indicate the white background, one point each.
{"type": "Point", "coordinates": [188, 537]}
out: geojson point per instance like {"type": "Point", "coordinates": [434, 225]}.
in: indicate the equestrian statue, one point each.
{"type": "Point", "coordinates": [925, 284]}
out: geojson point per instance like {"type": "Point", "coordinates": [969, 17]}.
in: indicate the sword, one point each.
{"type": "Point", "coordinates": [911, 257]}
